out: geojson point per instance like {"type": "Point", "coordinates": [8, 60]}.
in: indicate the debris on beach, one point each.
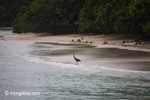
{"type": "Point", "coordinates": [105, 42]}
{"type": "Point", "coordinates": [78, 40]}
{"type": "Point", "coordinates": [90, 42]}
{"type": "Point", "coordinates": [72, 40]}
{"type": "Point", "coordinates": [123, 42]}
{"type": "Point", "coordinates": [86, 41]}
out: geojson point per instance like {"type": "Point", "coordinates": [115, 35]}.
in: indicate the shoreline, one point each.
{"type": "Point", "coordinates": [6, 28]}
{"type": "Point", "coordinates": [99, 41]}
{"type": "Point", "coordinates": [64, 46]}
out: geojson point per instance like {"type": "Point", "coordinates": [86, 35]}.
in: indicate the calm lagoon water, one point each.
{"type": "Point", "coordinates": [22, 70]}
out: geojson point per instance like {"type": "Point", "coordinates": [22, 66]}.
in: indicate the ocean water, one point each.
{"type": "Point", "coordinates": [22, 70]}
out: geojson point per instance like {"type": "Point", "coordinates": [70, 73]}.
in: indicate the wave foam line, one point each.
{"type": "Point", "coordinates": [96, 68]}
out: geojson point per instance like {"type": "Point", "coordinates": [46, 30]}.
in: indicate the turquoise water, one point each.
{"type": "Point", "coordinates": [21, 70]}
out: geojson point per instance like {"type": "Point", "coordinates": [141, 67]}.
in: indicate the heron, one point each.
{"type": "Point", "coordinates": [76, 59]}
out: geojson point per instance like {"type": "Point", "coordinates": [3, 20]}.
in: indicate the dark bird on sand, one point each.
{"type": "Point", "coordinates": [123, 42]}
{"type": "Point", "coordinates": [86, 41]}
{"type": "Point", "coordinates": [78, 40]}
{"type": "Point", "coordinates": [105, 42]}
{"type": "Point", "coordinates": [143, 44]}
{"type": "Point", "coordinates": [91, 42]}
{"type": "Point", "coordinates": [76, 59]}
{"type": "Point", "coordinates": [72, 40]}
{"type": "Point", "coordinates": [138, 42]}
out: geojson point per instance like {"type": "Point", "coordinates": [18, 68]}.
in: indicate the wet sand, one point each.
{"type": "Point", "coordinates": [91, 56]}
{"type": "Point", "coordinates": [60, 48]}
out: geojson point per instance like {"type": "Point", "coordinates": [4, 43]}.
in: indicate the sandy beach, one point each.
{"type": "Point", "coordinates": [93, 50]}
{"type": "Point", "coordinates": [100, 41]}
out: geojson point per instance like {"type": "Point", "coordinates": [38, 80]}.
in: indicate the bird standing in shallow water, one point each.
{"type": "Point", "coordinates": [76, 59]}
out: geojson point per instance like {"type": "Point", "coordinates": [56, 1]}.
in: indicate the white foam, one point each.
{"type": "Point", "coordinates": [95, 68]}
{"type": "Point", "coordinates": [64, 65]}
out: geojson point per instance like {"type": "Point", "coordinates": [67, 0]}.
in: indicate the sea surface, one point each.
{"type": "Point", "coordinates": [103, 74]}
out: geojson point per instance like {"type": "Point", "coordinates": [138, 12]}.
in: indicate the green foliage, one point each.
{"type": "Point", "coordinates": [19, 22]}
{"type": "Point", "coordinates": [9, 10]}
{"type": "Point", "coordinates": [146, 28]}
{"type": "Point", "coordinates": [87, 16]}
{"type": "Point", "coordinates": [104, 16]}
{"type": "Point", "coordinates": [86, 20]}
{"type": "Point", "coordinates": [53, 16]}
{"type": "Point", "coordinates": [140, 11]}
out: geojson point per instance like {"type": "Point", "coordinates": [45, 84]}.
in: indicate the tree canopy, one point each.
{"type": "Point", "coordinates": [9, 10]}
{"type": "Point", "coordinates": [77, 16]}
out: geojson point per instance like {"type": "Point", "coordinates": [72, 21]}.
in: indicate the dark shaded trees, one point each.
{"type": "Point", "coordinates": [54, 16]}
{"type": "Point", "coordinates": [140, 11]}
{"type": "Point", "coordinates": [86, 16]}
{"type": "Point", "coordinates": [9, 10]}
{"type": "Point", "coordinates": [105, 16]}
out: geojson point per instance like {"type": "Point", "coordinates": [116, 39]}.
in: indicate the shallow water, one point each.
{"type": "Point", "coordinates": [108, 57]}
{"type": "Point", "coordinates": [5, 32]}
{"type": "Point", "coordinates": [22, 70]}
